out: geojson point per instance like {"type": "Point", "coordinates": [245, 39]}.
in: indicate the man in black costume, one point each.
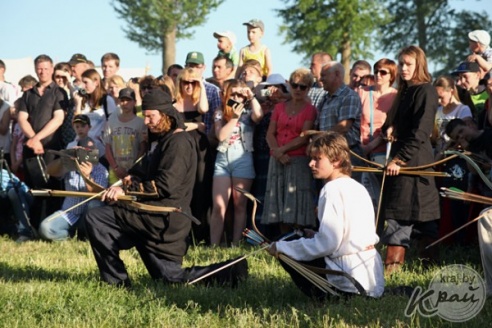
{"type": "Point", "coordinates": [161, 179]}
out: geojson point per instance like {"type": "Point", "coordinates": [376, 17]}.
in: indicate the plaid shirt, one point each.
{"type": "Point", "coordinates": [75, 182]}
{"type": "Point", "coordinates": [214, 102]}
{"type": "Point", "coordinates": [344, 104]}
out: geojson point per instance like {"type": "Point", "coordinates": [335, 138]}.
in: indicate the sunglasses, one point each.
{"type": "Point", "coordinates": [381, 72]}
{"type": "Point", "coordinates": [302, 87]}
{"type": "Point", "coordinates": [188, 82]}
{"type": "Point", "coordinates": [60, 77]}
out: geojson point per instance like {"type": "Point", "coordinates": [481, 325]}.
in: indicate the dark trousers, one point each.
{"type": "Point", "coordinates": [107, 238]}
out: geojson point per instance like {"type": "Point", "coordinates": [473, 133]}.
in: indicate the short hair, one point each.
{"type": "Point", "coordinates": [334, 66]}
{"type": "Point", "coordinates": [363, 64]}
{"type": "Point", "coordinates": [453, 124]}
{"type": "Point", "coordinates": [111, 56]}
{"type": "Point", "coordinates": [2, 64]}
{"type": "Point", "coordinates": [325, 57]}
{"type": "Point", "coordinates": [334, 146]}
{"type": "Point", "coordinates": [253, 63]}
{"type": "Point", "coordinates": [173, 66]}
{"type": "Point", "coordinates": [228, 61]}
{"type": "Point", "coordinates": [390, 65]}
{"type": "Point", "coordinates": [42, 58]}
{"type": "Point", "coordinates": [27, 81]}
{"type": "Point", "coordinates": [63, 66]}
{"type": "Point", "coordinates": [304, 75]}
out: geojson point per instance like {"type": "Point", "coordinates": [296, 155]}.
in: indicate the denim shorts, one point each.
{"type": "Point", "coordinates": [235, 162]}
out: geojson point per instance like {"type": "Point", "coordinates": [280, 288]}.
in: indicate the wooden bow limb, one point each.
{"type": "Point", "coordinates": [484, 214]}
{"type": "Point", "coordinates": [161, 209]}
{"type": "Point", "coordinates": [402, 172]}
{"type": "Point", "coordinates": [66, 193]}
{"type": "Point", "coordinates": [253, 214]}
{"type": "Point", "coordinates": [380, 199]}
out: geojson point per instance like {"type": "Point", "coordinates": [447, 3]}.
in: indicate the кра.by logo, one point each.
{"type": "Point", "coordinates": [456, 293]}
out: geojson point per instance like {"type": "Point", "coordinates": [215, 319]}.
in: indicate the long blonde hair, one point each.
{"type": "Point", "coordinates": [188, 74]}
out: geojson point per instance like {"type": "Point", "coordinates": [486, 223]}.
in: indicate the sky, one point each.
{"type": "Point", "coordinates": [60, 28]}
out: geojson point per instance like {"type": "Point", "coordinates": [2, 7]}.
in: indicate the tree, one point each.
{"type": "Point", "coordinates": [432, 25]}
{"type": "Point", "coordinates": [156, 24]}
{"type": "Point", "coordinates": [343, 27]}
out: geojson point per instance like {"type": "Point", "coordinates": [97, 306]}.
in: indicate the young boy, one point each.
{"type": "Point", "coordinates": [61, 225]}
{"type": "Point", "coordinates": [256, 50]}
{"type": "Point", "coordinates": [124, 137]}
{"type": "Point", "coordinates": [347, 233]}
{"type": "Point", "coordinates": [225, 43]}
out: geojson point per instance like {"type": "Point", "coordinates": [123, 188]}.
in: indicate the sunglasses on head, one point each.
{"type": "Point", "coordinates": [381, 72]}
{"type": "Point", "coordinates": [298, 86]}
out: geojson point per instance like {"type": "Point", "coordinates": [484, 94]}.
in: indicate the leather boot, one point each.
{"type": "Point", "coordinates": [395, 257]}
{"type": "Point", "coordinates": [429, 257]}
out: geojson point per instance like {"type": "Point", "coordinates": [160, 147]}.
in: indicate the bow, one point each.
{"type": "Point", "coordinates": [129, 200]}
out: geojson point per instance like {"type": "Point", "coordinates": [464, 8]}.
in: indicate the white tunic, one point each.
{"type": "Point", "coordinates": [347, 229]}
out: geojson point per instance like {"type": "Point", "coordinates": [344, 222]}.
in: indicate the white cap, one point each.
{"type": "Point", "coordinates": [227, 34]}
{"type": "Point", "coordinates": [275, 79]}
{"type": "Point", "coordinates": [480, 36]}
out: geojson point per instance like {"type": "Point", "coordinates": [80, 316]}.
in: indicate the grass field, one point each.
{"type": "Point", "coordinates": [56, 285]}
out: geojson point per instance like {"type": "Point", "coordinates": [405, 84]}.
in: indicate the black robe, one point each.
{"type": "Point", "coordinates": [406, 197]}
{"type": "Point", "coordinates": [171, 166]}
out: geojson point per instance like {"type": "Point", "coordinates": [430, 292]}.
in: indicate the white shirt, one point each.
{"type": "Point", "coordinates": [347, 229]}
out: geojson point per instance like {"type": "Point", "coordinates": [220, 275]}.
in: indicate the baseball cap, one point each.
{"type": "Point", "coordinates": [227, 34]}
{"type": "Point", "coordinates": [466, 67]}
{"type": "Point", "coordinates": [480, 36]}
{"type": "Point", "coordinates": [127, 93]}
{"type": "Point", "coordinates": [256, 23]}
{"type": "Point", "coordinates": [195, 57]}
{"type": "Point", "coordinates": [81, 118]}
{"type": "Point", "coordinates": [77, 59]}
{"type": "Point", "coordinates": [87, 143]}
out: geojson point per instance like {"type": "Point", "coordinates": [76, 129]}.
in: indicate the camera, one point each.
{"type": "Point", "coordinates": [82, 92]}
{"type": "Point", "coordinates": [265, 92]}
{"type": "Point", "coordinates": [231, 102]}
{"type": "Point", "coordinates": [134, 80]}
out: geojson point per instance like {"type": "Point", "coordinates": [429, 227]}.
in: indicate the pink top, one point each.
{"type": "Point", "coordinates": [381, 105]}
{"type": "Point", "coordinates": [290, 127]}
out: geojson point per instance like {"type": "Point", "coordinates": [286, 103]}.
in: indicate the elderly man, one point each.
{"type": "Point", "coordinates": [161, 179]}
{"type": "Point", "coordinates": [340, 109]}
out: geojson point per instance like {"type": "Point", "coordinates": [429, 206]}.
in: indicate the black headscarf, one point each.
{"type": "Point", "coordinates": [157, 99]}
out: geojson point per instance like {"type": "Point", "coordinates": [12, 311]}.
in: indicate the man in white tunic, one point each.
{"type": "Point", "coordinates": [347, 233]}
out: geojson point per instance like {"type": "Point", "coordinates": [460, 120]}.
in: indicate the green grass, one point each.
{"type": "Point", "coordinates": [56, 285]}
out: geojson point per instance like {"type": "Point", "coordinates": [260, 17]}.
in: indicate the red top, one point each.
{"type": "Point", "coordinates": [290, 127]}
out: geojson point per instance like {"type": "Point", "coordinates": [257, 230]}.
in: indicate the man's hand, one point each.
{"type": "Point", "coordinates": [85, 168]}
{"type": "Point", "coordinates": [35, 145]}
{"type": "Point", "coordinates": [111, 194]}
{"type": "Point", "coordinates": [272, 250]}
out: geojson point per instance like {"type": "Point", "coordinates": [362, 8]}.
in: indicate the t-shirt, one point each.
{"type": "Point", "coordinates": [124, 138]}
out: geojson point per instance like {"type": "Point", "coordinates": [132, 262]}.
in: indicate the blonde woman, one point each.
{"type": "Point", "coordinates": [191, 103]}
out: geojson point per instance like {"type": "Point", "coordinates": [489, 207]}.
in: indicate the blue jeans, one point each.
{"type": "Point", "coordinates": [56, 227]}
{"type": "Point", "coordinates": [21, 201]}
